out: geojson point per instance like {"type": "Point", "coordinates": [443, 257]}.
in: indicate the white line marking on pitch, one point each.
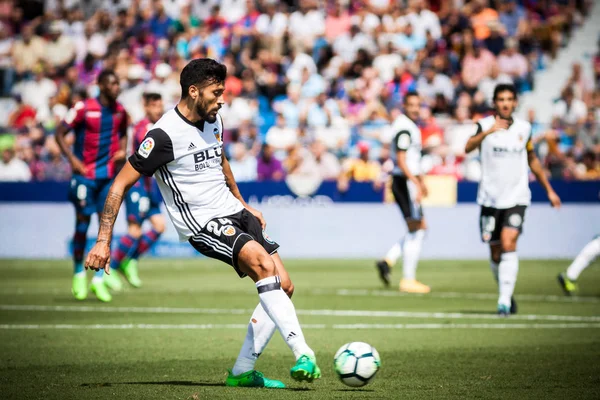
{"type": "Point", "coordinates": [317, 326]}
{"type": "Point", "coordinates": [328, 313]}
{"type": "Point", "coordinates": [470, 296]}
{"type": "Point", "coordinates": [341, 292]}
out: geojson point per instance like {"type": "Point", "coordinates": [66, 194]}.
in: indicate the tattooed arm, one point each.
{"type": "Point", "coordinates": [99, 257]}
{"type": "Point", "coordinates": [233, 188]}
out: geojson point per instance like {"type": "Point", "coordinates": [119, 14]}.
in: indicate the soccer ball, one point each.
{"type": "Point", "coordinates": [356, 363]}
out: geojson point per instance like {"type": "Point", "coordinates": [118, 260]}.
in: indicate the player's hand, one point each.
{"type": "Point", "coordinates": [499, 124]}
{"type": "Point", "coordinates": [78, 167]}
{"type": "Point", "coordinates": [258, 215]}
{"type": "Point", "coordinates": [99, 257]}
{"type": "Point", "coordinates": [419, 192]}
{"type": "Point", "coordinates": [424, 190]}
{"type": "Point", "coordinates": [554, 199]}
{"type": "Point", "coordinates": [119, 155]}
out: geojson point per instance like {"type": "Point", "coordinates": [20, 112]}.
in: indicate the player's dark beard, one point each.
{"type": "Point", "coordinates": [203, 112]}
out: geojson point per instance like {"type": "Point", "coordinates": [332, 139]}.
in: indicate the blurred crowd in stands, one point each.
{"type": "Point", "coordinates": [313, 85]}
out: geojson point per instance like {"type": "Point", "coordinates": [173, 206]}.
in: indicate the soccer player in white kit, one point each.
{"type": "Point", "coordinates": [568, 279]}
{"type": "Point", "coordinates": [408, 189]}
{"type": "Point", "coordinates": [506, 152]}
{"type": "Point", "coordinates": [184, 153]}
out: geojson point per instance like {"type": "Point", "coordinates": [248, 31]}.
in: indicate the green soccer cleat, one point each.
{"type": "Point", "coordinates": [130, 270]}
{"type": "Point", "coordinates": [113, 281]}
{"type": "Point", "coordinates": [79, 287]}
{"type": "Point", "coordinates": [568, 286]}
{"type": "Point", "coordinates": [252, 379]}
{"type": "Point", "coordinates": [101, 291]}
{"type": "Point", "coordinates": [503, 310]}
{"type": "Point", "coordinates": [306, 369]}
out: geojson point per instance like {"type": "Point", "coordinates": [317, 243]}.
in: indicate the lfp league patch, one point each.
{"type": "Point", "coordinates": [146, 147]}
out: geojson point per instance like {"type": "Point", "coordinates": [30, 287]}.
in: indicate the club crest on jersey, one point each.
{"type": "Point", "coordinates": [146, 147]}
{"type": "Point", "coordinates": [228, 230]}
{"type": "Point", "coordinates": [217, 134]}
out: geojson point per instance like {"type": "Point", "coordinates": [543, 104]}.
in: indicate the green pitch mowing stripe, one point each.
{"type": "Point", "coordinates": [328, 313]}
{"type": "Point", "coordinates": [305, 326]}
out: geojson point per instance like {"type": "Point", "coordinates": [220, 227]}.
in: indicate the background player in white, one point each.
{"type": "Point", "coordinates": [568, 280]}
{"type": "Point", "coordinates": [408, 190]}
{"type": "Point", "coordinates": [506, 152]}
{"type": "Point", "coordinates": [184, 152]}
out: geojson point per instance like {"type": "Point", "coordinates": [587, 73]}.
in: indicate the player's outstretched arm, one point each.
{"type": "Point", "coordinates": [99, 256]}
{"type": "Point", "coordinates": [76, 164]}
{"type": "Point", "coordinates": [233, 188]}
{"type": "Point", "coordinates": [540, 175]}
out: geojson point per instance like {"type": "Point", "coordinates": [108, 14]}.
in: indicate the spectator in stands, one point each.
{"type": "Point", "coordinates": [243, 164]}
{"type": "Point", "coordinates": [488, 84]}
{"type": "Point", "coordinates": [514, 64]}
{"type": "Point", "coordinates": [495, 42]}
{"type": "Point", "coordinates": [272, 26]}
{"type": "Point", "coordinates": [481, 17]}
{"type": "Point", "coordinates": [52, 166]}
{"type": "Point", "coordinates": [281, 136]}
{"type": "Point", "coordinates": [423, 20]}
{"type": "Point", "coordinates": [583, 87]}
{"type": "Point", "coordinates": [387, 61]}
{"type": "Point", "coordinates": [160, 24]}
{"type": "Point", "coordinates": [589, 168]}
{"type": "Point", "coordinates": [37, 92]}
{"type": "Point", "coordinates": [269, 168]}
{"type": "Point", "coordinates": [27, 52]}
{"type": "Point", "coordinates": [12, 169]}
{"type": "Point", "coordinates": [459, 131]}
{"type": "Point", "coordinates": [588, 137]}
{"type": "Point", "coordinates": [23, 115]}
{"type": "Point", "coordinates": [59, 50]}
{"type": "Point", "coordinates": [360, 169]}
{"type": "Point", "coordinates": [432, 83]}
{"type": "Point", "coordinates": [477, 64]}
{"type": "Point", "coordinates": [348, 44]}
{"type": "Point", "coordinates": [327, 164]}
{"type": "Point", "coordinates": [513, 17]}
{"type": "Point", "coordinates": [7, 71]}
{"type": "Point", "coordinates": [569, 111]}
{"type": "Point", "coordinates": [409, 42]}
{"type": "Point", "coordinates": [320, 112]}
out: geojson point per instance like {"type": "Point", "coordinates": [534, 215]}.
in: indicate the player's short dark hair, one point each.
{"type": "Point", "coordinates": [408, 95]}
{"type": "Point", "coordinates": [151, 96]}
{"type": "Point", "coordinates": [105, 74]}
{"type": "Point", "coordinates": [505, 87]}
{"type": "Point", "coordinates": [201, 71]}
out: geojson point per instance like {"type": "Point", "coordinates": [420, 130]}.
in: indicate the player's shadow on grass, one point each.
{"type": "Point", "coordinates": [355, 390]}
{"type": "Point", "coordinates": [168, 383]}
{"type": "Point", "coordinates": [483, 312]}
{"type": "Point", "coordinates": [174, 383]}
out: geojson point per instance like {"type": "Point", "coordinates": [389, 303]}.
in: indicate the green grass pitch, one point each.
{"type": "Point", "coordinates": [175, 337]}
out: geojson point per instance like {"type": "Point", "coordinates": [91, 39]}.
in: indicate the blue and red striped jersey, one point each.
{"type": "Point", "coordinates": [98, 130]}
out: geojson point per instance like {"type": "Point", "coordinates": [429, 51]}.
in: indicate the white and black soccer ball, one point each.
{"type": "Point", "coordinates": [356, 363]}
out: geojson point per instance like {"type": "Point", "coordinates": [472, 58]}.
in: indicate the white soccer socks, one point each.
{"type": "Point", "coordinates": [412, 251]}
{"type": "Point", "coordinates": [583, 259]}
{"type": "Point", "coordinates": [508, 270]}
{"type": "Point", "coordinates": [260, 331]}
{"type": "Point", "coordinates": [281, 310]}
{"type": "Point", "coordinates": [393, 254]}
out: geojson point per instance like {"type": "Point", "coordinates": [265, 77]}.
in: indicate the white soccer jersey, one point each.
{"type": "Point", "coordinates": [407, 137]}
{"type": "Point", "coordinates": [185, 159]}
{"type": "Point", "coordinates": [504, 164]}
